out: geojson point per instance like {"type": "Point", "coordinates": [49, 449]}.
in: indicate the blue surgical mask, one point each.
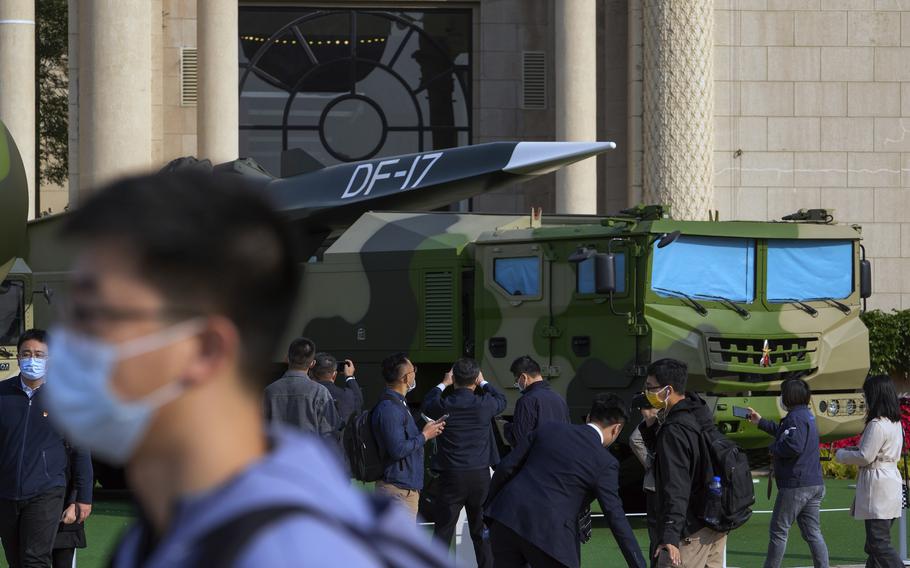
{"type": "Point", "coordinates": [79, 399]}
{"type": "Point", "coordinates": [33, 368]}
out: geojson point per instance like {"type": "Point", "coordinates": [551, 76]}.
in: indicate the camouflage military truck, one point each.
{"type": "Point", "coordinates": [745, 304]}
{"type": "Point", "coordinates": [594, 299]}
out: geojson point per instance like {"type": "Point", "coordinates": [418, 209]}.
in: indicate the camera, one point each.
{"type": "Point", "coordinates": [640, 401]}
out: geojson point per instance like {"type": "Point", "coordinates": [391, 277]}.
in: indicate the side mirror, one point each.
{"type": "Point", "coordinates": [865, 278]}
{"type": "Point", "coordinates": [667, 239]}
{"type": "Point", "coordinates": [604, 273]}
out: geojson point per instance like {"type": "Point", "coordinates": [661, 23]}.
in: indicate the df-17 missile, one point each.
{"type": "Point", "coordinates": [331, 198]}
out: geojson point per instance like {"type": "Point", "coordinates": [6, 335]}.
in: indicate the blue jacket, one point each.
{"type": "Point", "coordinates": [542, 486]}
{"type": "Point", "coordinates": [467, 443]}
{"type": "Point", "coordinates": [795, 449]}
{"type": "Point", "coordinates": [33, 457]}
{"type": "Point", "coordinates": [400, 441]}
{"type": "Point", "coordinates": [298, 469]}
{"type": "Point", "coordinates": [538, 405]}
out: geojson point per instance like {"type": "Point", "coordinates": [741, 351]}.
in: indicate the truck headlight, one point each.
{"type": "Point", "coordinates": [833, 408]}
{"type": "Point", "coordinates": [851, 407]}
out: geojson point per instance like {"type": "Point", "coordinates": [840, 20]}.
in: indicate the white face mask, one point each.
{"type": "Point", "coordinates": [412, 385]}
{"type": "Point", "coordinates": [81, 403]}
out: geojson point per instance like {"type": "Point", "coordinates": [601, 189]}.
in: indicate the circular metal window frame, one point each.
{"type": "Point", "coordinates": [453, 69]}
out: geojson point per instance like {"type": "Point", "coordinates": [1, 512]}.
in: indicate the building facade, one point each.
{"type": "Point", "coordinates": [751, 108]}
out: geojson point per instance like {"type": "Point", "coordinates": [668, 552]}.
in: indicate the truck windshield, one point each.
{"type": "Point", "coordinates": [705, 267]}
{"type": "Point", "coordinates": [805, 270]}
{"type": "Point", "coordinates": [11, 311]}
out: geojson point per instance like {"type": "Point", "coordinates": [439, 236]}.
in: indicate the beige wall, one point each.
{"type": "Point", "coordinates": [813, 110]}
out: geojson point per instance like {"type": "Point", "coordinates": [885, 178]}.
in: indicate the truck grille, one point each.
{"type": "Point", "coordinates": [792, 352]}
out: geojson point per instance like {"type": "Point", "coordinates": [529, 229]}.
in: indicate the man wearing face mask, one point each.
{"type": "Point", "coordinates": [397, 435]}
{"type": "Point", "coordinates": [682, 539]}
{"type": "Point", "coordinates": [179, 292]}
{"type": "Point", "coordinates": [541, 487]}
{"type": "Point", "coordinates": [34, 463]}
{"type": "Point", "coordinates": [537, 405]}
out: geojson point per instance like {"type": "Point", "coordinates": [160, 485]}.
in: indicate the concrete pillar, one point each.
{"type": "Point", "coordinates": [17, 83]}
{"type": "Point", "coordinates": [576, 100]}
{"type": "Point", "coordinates": [678, 111]}
{"type": "Point", "coordinates": [634, 151]}
{"type": "Point", "coordinates": [217, 113]}
{"type": "Point", "coordinates": [114, 90]}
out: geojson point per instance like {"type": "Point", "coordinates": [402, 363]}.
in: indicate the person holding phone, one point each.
{"type": "Point", "coordinates": [467, 449]}
{"type": "Point", "coordinates": [878, 485]}
{"type": "Point", "coordinates": [798, 472]}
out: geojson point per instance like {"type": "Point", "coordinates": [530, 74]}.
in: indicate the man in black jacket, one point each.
{"type": "Point", "coordinates": [347, 396]}
{"type": "Point", "coordinates": [542, 486]}
{"type": "Point", "coordinates": [538, 404]}
{"type": "Point", "coordinates": [683, 540]}
{"type": "Point", "coordinates": [33, 463]}
{"type": "Point", "coordinates": [467, 449]}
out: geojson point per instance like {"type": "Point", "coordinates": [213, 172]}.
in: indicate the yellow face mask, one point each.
{"type": "Point", "coordinates": [654, 398]}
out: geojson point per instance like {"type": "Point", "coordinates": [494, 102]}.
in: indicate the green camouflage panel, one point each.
{"type": "Point", "coordinates": [14, 197]}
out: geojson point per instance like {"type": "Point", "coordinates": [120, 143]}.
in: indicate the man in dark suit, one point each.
{"type": "Point", "coordinates": [542, 486]}
{"type": "Point", "coordinates": [538, 404]}
{"type": "Point", "coordinates": [347, 396]}
{"type": "Point", "coordinates": [466, 451]}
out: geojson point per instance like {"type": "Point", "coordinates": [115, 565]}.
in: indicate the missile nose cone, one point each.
{"type": "Point", "coordinates": [536, 158]}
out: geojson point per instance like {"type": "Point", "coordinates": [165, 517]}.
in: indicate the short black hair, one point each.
{"type": "Point", "coordinates": [465, 371]}
{"type": "Point", "coordinates": [795, 392]}
{"type": "Point", "coordinates": [391, 366]}
{"type": "Point", "coordinates": [326, 366]}
{"type": "Point", "coordinates": [671, 372]}
{"type": "Point", "coordinates": [210, 245]}
{"type": "Point", "coordinates": [525, 364]}
{"type": "Point", "coordinates": [300, 353]}
{"type": "Point", "coordinates": [881, 399]}
{"type": "Point", "coordinates": [36, 334]}
{"type": "Point", "coordinates": [608, 409]}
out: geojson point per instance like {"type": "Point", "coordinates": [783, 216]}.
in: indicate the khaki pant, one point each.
{"type": "Point", "coordinates": [704, 549]}
{"type": "Point", "coordinates": [410, 498]}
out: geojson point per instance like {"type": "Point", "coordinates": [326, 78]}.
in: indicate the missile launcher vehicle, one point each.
{"type": "Point", "coordinates": [594, 299]}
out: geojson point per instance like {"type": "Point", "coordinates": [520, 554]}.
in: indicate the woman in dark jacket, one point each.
{"type": "Point", "coordinates": [798, 472]}
{"type": "Point", "coordinates": [70, 533]}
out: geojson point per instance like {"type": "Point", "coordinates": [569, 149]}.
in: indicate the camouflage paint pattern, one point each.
{"type": "Point", "coordinates": [424, 283]}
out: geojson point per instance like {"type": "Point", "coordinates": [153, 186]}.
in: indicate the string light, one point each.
{"type": "Point", "coordinates": [262, 39]}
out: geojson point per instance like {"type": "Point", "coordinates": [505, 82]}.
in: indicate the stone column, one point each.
{"type": "Point", "coordinates": [17, 83]}
{"type": "Point", "coordinates": [217, 113]}
{"type": "Point", "coordinates": [678, 111]}
{"type": "Point", "coordinates": [115, 122]}
{"type": "Point", "coordinates": [576, 101]}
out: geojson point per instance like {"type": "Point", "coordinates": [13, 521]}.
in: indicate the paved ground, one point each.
{"type": "Point", "coordinates": [746, 548]}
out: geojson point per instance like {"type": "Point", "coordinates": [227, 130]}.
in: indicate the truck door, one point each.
{"type": "Point", "coordinates": [595, 348]}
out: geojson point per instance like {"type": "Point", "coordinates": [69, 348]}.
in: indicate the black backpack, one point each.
{"type": "Point", "coordinates": [727, 461]}
{"type": "Point", "coordinates": [366, 459]}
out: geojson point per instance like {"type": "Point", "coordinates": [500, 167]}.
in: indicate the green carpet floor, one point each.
{"type": "Point", "coordinates": [745, 549]}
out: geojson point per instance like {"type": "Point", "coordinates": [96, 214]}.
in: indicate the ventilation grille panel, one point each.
{"type": "Point", "coordinates": [189, 76]}
{"type": "Point", "coordinates": [533, 80]}
{"type": "Point", "coordinates": [439, 295]}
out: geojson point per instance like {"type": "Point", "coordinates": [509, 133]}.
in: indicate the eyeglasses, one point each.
{"type": "Point", "coordinates": [83, 315]}
{"type": "Point", "coordinates": [409, 372]}
{"type": "Point", "coordinates": [28, 354]}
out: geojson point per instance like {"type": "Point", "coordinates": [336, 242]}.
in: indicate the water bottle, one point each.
{"type": "Point", "coordinates": [713, 505]}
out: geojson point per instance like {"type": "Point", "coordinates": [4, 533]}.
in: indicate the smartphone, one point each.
{"type": "Point", "coordinates": [443, 418]}
{"type": "Point", "coordinates": [341, 366]}
{"type": "Point", "coordinates": [741, 412]}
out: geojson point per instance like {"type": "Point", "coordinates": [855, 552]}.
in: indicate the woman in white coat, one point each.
{"type": "Point", "coordinates": [878, 485]}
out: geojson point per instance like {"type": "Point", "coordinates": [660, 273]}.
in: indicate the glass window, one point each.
{"type": "Point", "coordinates": [347, 85]}
{"type": "Point", "coordinates": [12, 310]}
{"type": "Point", "coordinates": [518, 276]}
{"type": "Point", "coordinates": [585, 279]}
{"type": "Point", "coordinates": [706, 268]}
{"type": "Point", "coordinates": [809, 270]}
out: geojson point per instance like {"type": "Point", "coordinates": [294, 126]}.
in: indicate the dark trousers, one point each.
{"type": "Point", "coordinates": [63, 557]}
{"type": "Point", "coordinates": [878, 545]}
{"type": "Point", "coordinates": [28, 528]}
{"type": "Point", "coordinates": [510, 550]}
{"type": "Point", "coordinates": [468, 489]}
{"type": "Point", "coordinates": [652, 511]}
